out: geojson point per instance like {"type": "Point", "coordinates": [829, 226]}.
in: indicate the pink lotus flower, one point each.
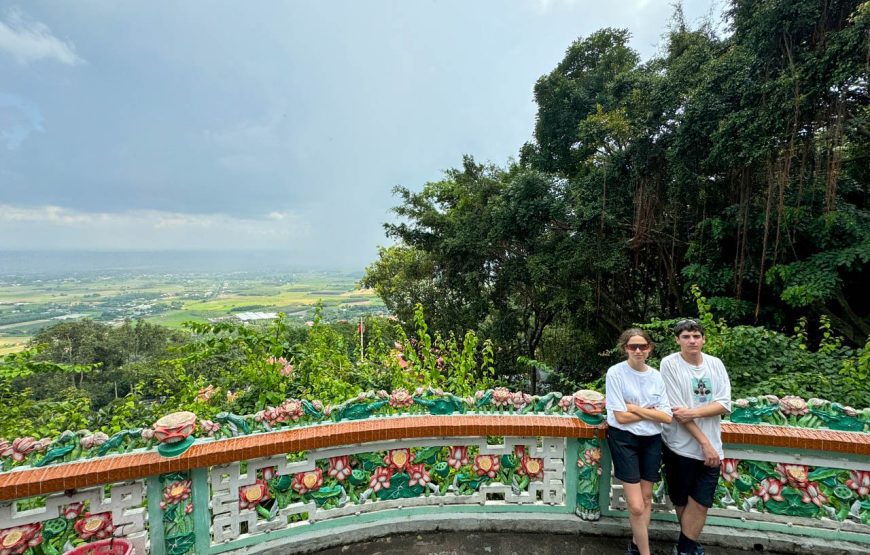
{"type": "Point", "coordinates": [188, 508]}
{"type": "Point", "coordinates": [287, 370]}
{"type": "Point", "coordinates": [253, 495]}
{"type": "Point", "coordinates": [501, 397]}
{"type": "Point", "coordinates": [591, 456]}
{"type": "Point", "coordinates": [382, 394]}
{"type": "Point", "coordinates": [566, 403]}
{"type": "Point", "coordinates": [17, 540]}
{"type": "Point", "coordinates": [400, 398]}
{"type": "Point", "coordinates": [280, 361]}
{"type": "Point", "coordinates": [293, 409]}
{"type": "Point", "coordinates": [21, 447]}
{"type": "Point", "coordinates": [728, 469]}
{"type": "Point", "coordinates": [269, 472]}
{"type": "Point", "coordinates": [399, 459]}
{"type": "Point", "coordinates": [486, 465]}
{"type": "Point", "coordinates": [812, 494]}
{"type": "Point", "coordinates": [147, 434]}
{"type": "Point", "coordinates": [209, 427]}
{"type": "Point", "coordinates": [458, 457]}
{"type": "Point", "coordinates": [381, 478]}
{"type": "Point", "coordinates": [175, 493]}
{"type": "Point", "coordinates": [98, 526]}
{"type": "Point", "coordinates": [771, 399]}
{"type": "Point", "coordinates": [589, 401]}
{"type": "Point", "coordinates": [533, 468]}
{"type": "Point", "coordinates": [859, 482]}
{"type": "Point", "coordinates": [303, 482]}
{"type": "Point", "coordinates": [95, 440]}
{"type": "Point", "coordinates": [339, 468]}
{"type": "Point", "coordinates": [520, 451]}
{"type": "Point", "coordinates": [73, 511]}
{"type": "Point", "coordinates": [770, 488]}
{"type": "Point", "coordinates": [42, 444]}
{"type": "Point", "coordinates": [791, 405]}
{"type": "Point", "coordinates": [520, 400]}
{"type": "Point", "coordinates": [418, 475]}
{"type": "Point", "coordinates": [795, 474]}
{"type": "Point", "coordinates": [5, 448]}
{"type": "Point", "coordinates": [479, 394]}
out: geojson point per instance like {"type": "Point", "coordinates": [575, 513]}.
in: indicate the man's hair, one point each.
{"type": "Point", "coordinates": [688, 325]}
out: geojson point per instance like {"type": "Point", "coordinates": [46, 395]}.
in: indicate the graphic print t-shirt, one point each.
{"type": "Point", "coordinates": [644, 389]}
{"type": "Point", "coordinates": [694, 386]}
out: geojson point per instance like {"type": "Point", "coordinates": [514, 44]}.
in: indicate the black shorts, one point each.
{"type": "Point", "coordinates": [687, 477]}
{"type": "Point", "coordinates": [635, 458]}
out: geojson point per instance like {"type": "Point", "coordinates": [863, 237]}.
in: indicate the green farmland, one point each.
{"type": "Point", "coordinates": [30, 304]}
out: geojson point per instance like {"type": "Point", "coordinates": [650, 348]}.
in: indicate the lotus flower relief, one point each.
{"type": "Point", "coordinates": [303, 482]}
{"type": "Point", "coordinates": [418, 475]}
{"type": "Point", "coordinates": [591, 457]}
{"type": "Point", "coordinates": [770, 488]}
{"type": "Point", "coordinates": [812, 494]}
{"type": "Point", "coordinates": [400, 398]}
{"type": "Point", "coordinates": [399, 459]}
{"type": "Point", "coordinates": [17, 540]}
{"type": "Point", "coordinates": [791, 405]}
{"type": "Point", "coordinates": [589, 401]}
{"type": "Point", "coordinates": [458, 457]}
{"type": "Point", "coordinates": [174, 427]}
{"type": "Point", "coordinates": [209, 427]}
{"type": "Point", "coordinates": [381, 478]}
{"type": "Point", "coordinates": [486, 465]}
{"type": "Point", "coordinates": [293, 409]}
{"type": "Point", "coordinates": [98, 526]}
{"type": "Point", "coordinates": [73, 511]}
{"type": "Point", "coordinates": [175, 492]}
{"type": "Point", "coordinates": [339, 468]}
{"type": "Point", "coordinates": [520, 400]}
{"type": "Point", "coordinates": [531, 467]}
{"type": "Point", "coordinates": [254, 494]}
{"type": "Point", "coordinates": [94, 440]}
{"type": "Point", "coordinates": [859, 482]}
{"type": "Point", "coordinates": [501, 396]}
{"type": "Point", "coordinates": [795, 474]}
{"type": "Point", "coordinates": [566, 403]}
{"type": "Point", "coordinates": [728, 469]}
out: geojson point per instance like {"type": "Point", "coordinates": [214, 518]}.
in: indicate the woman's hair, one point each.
{"type": "Point", "coordinates": [631, 332]}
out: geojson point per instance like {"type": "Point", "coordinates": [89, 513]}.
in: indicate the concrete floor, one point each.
{"type": "Point", "coordinates": [471, 543]}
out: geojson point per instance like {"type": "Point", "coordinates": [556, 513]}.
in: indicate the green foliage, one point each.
{"type": "Point", "coordinates": [737, 163]}
{"type": "Point", "coordinates": [762, 361]}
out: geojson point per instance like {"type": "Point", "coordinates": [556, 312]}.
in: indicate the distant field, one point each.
{"type": "Point", "coordinates": [12, 344]}
{"type": "Point", "coordinates": [170, 300]}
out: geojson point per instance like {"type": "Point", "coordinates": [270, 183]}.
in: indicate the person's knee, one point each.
{"type": "Point", "coordinates": [647, 501]}
{"type": "Point", "coordinates": [636, 507]}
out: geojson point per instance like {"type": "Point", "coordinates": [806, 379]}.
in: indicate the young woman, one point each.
{"type": "Point", "coordinates": [637, 406]}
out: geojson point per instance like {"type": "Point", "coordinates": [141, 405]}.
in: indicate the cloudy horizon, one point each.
{"type": "Point", "coordinates": [275, 126]}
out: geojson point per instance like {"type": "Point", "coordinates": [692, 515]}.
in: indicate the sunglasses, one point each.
{"type": "Point", "coordinates": [637, 347]}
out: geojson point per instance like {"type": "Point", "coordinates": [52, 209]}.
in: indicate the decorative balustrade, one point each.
{"type": "Point", "coordinates": [302, 467]}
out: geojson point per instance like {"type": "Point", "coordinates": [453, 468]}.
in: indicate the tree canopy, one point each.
{"type": "Point", "coordinates": [737, 162]}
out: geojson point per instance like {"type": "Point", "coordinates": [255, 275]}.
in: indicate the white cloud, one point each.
{"type": "Point", "coordinates": [32, 41]}
{"type": "Point", "coordinates": [146, 229]}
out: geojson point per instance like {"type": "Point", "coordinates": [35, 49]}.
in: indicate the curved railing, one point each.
{"type": "Point", "coordinates": [275, 488]}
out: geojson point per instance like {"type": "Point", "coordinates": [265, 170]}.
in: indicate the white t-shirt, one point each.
{"type": "Point", "coordinates": [695, 386]}
{"type": "Point", "coordinates": [644, 389]}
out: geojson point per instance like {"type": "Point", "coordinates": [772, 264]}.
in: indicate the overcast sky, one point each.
{"type": "Point", "coordinates": [266, 125]}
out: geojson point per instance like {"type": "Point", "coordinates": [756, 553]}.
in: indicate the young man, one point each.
{"type": "Point", "coordinates": [699, 390]}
